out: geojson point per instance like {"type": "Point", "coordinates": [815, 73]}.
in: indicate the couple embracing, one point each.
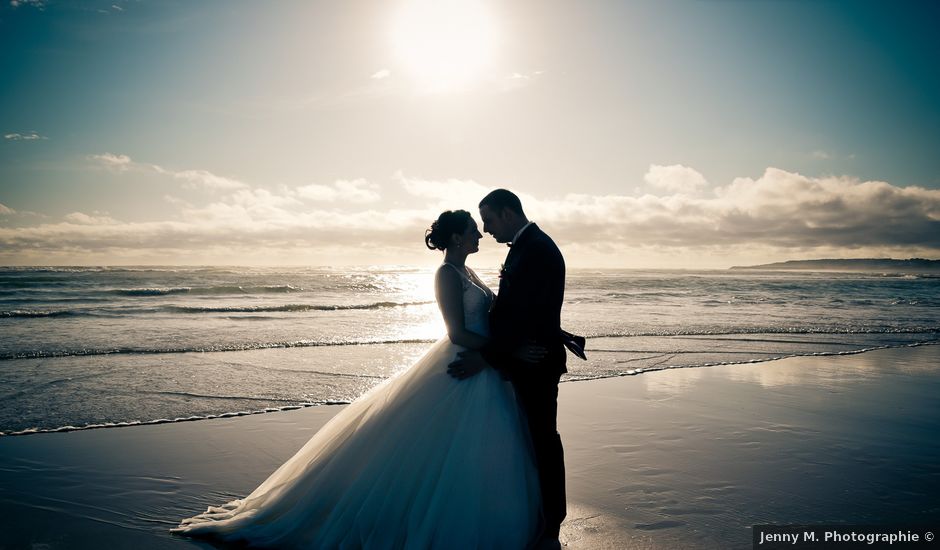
{"type": "Point", "coordinates": [458, 451]}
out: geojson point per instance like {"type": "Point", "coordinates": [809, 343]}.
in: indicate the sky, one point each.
{"type": "Point", "coordinates": [641, 134]}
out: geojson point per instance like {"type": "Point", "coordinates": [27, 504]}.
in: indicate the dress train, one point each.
{"type": "Point", "coordinates": [421, 461]}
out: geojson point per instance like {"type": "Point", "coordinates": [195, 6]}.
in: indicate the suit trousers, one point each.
{"type": "Point", "coordinates": [538, 397]}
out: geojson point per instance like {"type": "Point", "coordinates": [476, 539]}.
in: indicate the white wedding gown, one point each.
{"type": "Point", "coordinates": [421, 461]}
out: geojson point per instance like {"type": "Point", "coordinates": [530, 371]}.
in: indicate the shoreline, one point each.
{"type": "Point", "coordinates": [287, 408]}
{"type": "Point", "coordinates": [688, 457]}
{"type": "Point", "coordinates": [300, 344]}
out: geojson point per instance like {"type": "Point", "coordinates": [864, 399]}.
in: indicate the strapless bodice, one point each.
{"type": "Point", "coordinates": [477, 299]}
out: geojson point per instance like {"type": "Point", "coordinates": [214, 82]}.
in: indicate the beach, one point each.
{"type": "Point", "coordinates": [228, 228]}
{"type": "Point", "coordinates": [689, 457]}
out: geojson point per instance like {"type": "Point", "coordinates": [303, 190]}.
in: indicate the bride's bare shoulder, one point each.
{"type": "Point", "coordinates": [446, 270]}
{"type": "Point", "coordinates": [447, 277]}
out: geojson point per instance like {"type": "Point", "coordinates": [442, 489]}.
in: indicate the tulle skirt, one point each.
{"type": "Point", "coordinates": [421, 461]}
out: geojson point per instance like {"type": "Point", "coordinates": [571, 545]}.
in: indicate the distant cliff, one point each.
{"type": "Point", "coordinates": [913, 265]}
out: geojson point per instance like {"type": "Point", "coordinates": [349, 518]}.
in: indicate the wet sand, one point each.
{"type": "Point", "coordinates": [677, 458]}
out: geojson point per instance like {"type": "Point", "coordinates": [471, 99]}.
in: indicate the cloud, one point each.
{"type": "Point", "coordinates": [779, 209]}
{"type": "Point", "coordinates": [195, 179]}
{"type": "Point", "coordinates": [676, 178]}
{"type": "Point", "coordinates": [357, 191]}
{"type": "Point", "coordinates": [820, 155]}
{"type": "Point", "coordinates": [779, 213]}
{"type": "Point", "coordinates": [380, 74]}
{"type": "Point", "coordinates": [38, 4]}
{"type": "Point", "coordinates": [445, 194]}
{"type": "Point", "coordinates": [795, 210]}
{"type": "Point", "coordinates": [192, 179]}
{"type": "Point", "coordinates": [244, 222]}
{"type": "Point", "coordinates": [120, 163]}
{"type": "Point", "coordinates": [4, 209]}
{"type": "Point", "coordinates": [176, 201]}
{"type": "Point", "coordinates": [85, 219]}
{"type": "Point", "coordinates": [31, 136]}
{"type": "Point", "coordinates": [248, 221]}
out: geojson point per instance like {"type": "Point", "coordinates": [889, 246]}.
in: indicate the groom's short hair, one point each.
{"type": "Point", "coordinates": [498, 199]}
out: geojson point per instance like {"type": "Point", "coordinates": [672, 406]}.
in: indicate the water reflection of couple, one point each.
{"type": "Point", "coordinates": [447, 454]}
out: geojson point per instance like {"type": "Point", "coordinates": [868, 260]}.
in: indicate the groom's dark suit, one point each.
{"type": "Point", "coordinates": [527, 310]}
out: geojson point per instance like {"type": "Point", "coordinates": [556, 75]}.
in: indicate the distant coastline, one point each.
{"type": "Point", "coordinates": [912, 265]}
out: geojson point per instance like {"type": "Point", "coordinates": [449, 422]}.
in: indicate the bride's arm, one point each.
{"type": "Point", "coordinates": [448, 289]}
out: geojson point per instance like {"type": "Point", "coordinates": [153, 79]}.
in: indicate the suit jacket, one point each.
{"type": "Point", "coordinates": [527, 308]}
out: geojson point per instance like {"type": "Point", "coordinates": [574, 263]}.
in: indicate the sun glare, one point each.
{"type": "Point", "coordinates": [445, 45]}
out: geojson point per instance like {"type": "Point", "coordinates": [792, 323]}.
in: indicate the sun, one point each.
{"type": "Point", "coordinates": [444, 45]}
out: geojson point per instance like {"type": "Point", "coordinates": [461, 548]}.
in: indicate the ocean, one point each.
{"type": "Point", "coordinates": [86, 347]}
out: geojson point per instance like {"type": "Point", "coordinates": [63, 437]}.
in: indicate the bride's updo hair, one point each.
{"type": "Point", "coordinates": [450, 222]}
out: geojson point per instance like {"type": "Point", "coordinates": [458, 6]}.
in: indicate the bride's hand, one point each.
{"type": "Point", "coordinates": [530, 353]}
{"type": "Point", "coordinates": [468, 363]}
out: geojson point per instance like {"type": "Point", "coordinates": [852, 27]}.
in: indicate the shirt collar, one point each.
{"type": "Point", "coordinates": [518, 233]}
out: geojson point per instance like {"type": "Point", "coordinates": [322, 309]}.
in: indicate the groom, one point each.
{"type": "Point", "coordinates": [527, 311]}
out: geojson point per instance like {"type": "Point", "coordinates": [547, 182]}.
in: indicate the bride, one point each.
{"type": "Point", "coordinates": [423, 460]}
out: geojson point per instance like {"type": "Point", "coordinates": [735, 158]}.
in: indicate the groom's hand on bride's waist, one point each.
{"type": "Point", "coordinates": [530, 353]}
{"type": "Point", "coordinates": [467, 364]}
